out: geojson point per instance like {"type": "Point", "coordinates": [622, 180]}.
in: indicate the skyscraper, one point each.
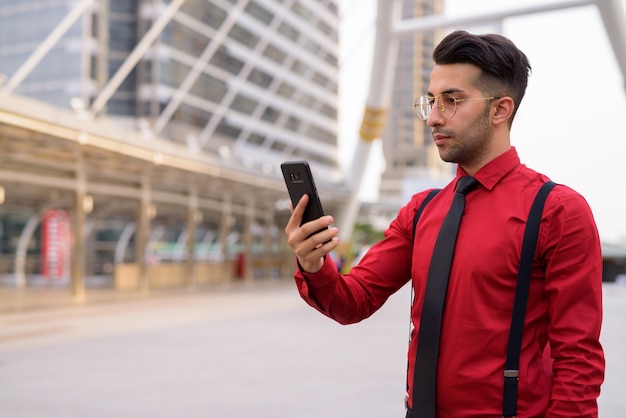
{"type": "Point", "coordinates": [412, 162]}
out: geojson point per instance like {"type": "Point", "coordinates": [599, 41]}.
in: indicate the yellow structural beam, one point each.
{"type": "Point", "coordinates": [373, 123]}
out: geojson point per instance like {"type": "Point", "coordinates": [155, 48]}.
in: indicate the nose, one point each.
{"type": "Point", "coordinates": [435, 118]}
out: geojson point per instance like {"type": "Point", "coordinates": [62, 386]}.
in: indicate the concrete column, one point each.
{"type": "Point", "coordinates": [141, 233]}
{"type": "Point", "coordinates": [21, 251]}
{"type": "Point", "coordinates": [193, 218]}
{"type": "Point", "coordinates": [224, 229]}
{"type": "Point", "coordinates": [77, 270]}
{"type": "Point", "coordinates": [78, 255]}
{"type": "Point", "coordinates": [247, 239]}
{"type": "Point", "coordinates": [270, 255]}
{"type": "Point", "coordinates": [287, 258]}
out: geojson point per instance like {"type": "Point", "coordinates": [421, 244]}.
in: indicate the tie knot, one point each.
{"type": "Point", "coordinates": [466, 184]}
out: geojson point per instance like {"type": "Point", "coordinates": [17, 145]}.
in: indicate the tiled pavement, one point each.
{"type": "Point", "coordinates": [246, 350]}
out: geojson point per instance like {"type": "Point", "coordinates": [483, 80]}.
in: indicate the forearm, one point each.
{"type": "Point", "coordinates": [337, 297]}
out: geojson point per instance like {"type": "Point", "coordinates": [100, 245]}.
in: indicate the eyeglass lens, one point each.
{"type": "Point", "coordinates": [445, 102]}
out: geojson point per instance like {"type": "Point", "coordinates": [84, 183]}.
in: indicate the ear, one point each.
{"type": "Point", "coordinates": [503, 112]}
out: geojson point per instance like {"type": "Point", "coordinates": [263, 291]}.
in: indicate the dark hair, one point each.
{"type": "Point", "coordinates": [504, 68]}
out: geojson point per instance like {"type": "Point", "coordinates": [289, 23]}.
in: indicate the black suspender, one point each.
{"type": "Point", "coordinates": [428, 198]}
{"type": "Point", "coordinates": [511, 369]}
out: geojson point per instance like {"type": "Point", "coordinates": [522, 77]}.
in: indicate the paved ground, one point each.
{"type": "Point", "coordinates": [243, 351]}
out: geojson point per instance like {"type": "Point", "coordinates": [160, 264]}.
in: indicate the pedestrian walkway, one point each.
{"type": "Point", "coordinates": [53, 297]}
{"type": "Point", "coordinates": [243, 350]}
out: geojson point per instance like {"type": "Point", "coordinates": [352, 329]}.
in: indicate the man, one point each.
{"type": "Point", "coordinates": [475, 89]}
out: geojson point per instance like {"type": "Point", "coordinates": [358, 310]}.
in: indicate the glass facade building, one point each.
{"type": "Point", "coordinates": [249, 83]}
{"type": "Point", "coordinates": [254, 80]}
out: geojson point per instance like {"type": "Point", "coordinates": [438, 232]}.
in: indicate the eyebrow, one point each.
{"type": "Point", "coordinates": [449, 91]}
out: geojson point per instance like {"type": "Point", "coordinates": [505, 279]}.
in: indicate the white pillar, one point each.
{"type": "Point", "coordinates": [374, 117]}
{"type": "Point", "coordinates": [612, 13]}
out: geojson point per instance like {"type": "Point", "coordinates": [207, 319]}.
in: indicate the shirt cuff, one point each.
{"type": "Point", "coordinates": [310, 284]}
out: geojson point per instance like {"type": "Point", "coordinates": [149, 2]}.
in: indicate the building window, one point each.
{"type": "Point", "coordinates": [307, 101]}
{"type": "Point", "coordinates": [244, 104]}
{"type": "Point", "coordinates": [331, 59]}
{"type": "Point", "coordinates": [321, 134]}
{"type": "Point", "coordinates": [191, 115]}
{"type": "Point", "coordinates": [227, 129]}
{"type": "Point", "coordinates": [320, 80]}
{"type": "Point", "coordinates": [210, 88]}
{"type": "Point", "coordinates": [203, 11]}
{"type": "Point", "coordinates": [299, 68]}
{"type": "Point", "coordinates": [243, 36]}
{"type": "Point", "coordinates": [256, 139]}
{"type": "Point", "coordinates": [186, 40]}
{"type": "Point", "coordinates": [255, 10]}
{"type": "Point", "coordinates": [270, 114]}
{"type": "Point", "coordinates": [260, 78]}
{"type": "Point", "coordinates": [286, 90]}
{"type": "Point", "coordinates": [312, 47]}
{"type": "Point", "coordinates": [302, 11]}
{"type": "Point", "coordinates": [293, 123]}
{"type": "Point", "coordinates": [123, 6]}
{"type": "Point", "coordinates": [289, 31]}
{"type": "Point", "coordinates": [330, 111]}
{"type": "Point", "coordinates": [275, 54]}
{"type": "Point", "coordinates": [222, 59]}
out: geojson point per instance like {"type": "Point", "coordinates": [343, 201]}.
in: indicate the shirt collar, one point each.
{"type": "Point", "coordinates": [492, 172]}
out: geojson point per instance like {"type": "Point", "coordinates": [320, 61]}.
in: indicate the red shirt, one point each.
{"type": "Point", "coordinates": [564, 304]}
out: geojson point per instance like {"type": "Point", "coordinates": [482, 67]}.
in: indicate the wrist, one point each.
{"type": "Point", "coordinates": [311, 268]}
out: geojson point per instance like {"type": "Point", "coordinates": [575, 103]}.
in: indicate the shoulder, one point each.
{"type": "Point", "coordinates": [528, 182]}
{"type": "Point", "coordinates": [565, 200]}
{"type": "Point", "coordinates": [562, 201]}
{"type": "Point", "coordinates": [406, 215]}
{"type": "Point", "coordinates": [421, 199]}
{"type": "Point", "coordinates": [563, 205]}
{"type": "Point", "coordinates": [568, 219]}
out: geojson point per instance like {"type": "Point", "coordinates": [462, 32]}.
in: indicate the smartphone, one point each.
{"type": "Point", "coordinates": [299, 181]}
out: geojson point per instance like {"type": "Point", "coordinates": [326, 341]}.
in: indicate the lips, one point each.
{"type": "Point", "coordinates": [440, 139]}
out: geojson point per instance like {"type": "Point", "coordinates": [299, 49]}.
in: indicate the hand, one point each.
{"type": "Point", "coordinates": [310, 250]}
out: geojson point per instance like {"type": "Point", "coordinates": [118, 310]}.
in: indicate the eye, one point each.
{"type": "Point", "coordinates": [431, 100]}
{"type": "Point", "coordinates": [448, 100]}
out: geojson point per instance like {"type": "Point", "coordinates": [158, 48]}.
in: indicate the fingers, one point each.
{"type": "Point", "coordinates": [296, 214]}
{"type": "Point", "coordinates": [311, 241]}
{"type": "Point", "coordinates": [311, 251]}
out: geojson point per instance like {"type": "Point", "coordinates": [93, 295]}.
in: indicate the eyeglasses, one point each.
{"type": "Point", "coordinates": [447, 104]}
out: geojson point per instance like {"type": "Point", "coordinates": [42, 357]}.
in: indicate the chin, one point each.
{"type": "Point", "coordinates": [445, 156]}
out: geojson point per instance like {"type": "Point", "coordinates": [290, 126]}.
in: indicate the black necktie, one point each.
{"type": "Point", "coordinates": [425, 376]}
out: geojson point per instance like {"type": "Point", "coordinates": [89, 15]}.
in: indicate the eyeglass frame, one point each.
{"type": "Point", "coordinates": [442, 107]}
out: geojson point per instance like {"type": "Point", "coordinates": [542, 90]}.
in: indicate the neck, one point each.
{"type": "Point", "coordinates": [499, 145]}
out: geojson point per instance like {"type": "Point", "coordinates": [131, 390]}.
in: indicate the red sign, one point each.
{"type": "Point", "coordinates": [55, 244]}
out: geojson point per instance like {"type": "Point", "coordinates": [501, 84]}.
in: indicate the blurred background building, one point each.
{"type": "Point", "coordinates": [140, 141]}
{"type": "Point", "coordinates": [145, 126]}
{"type": "Point", "coordinates": [411, 158]}
{"type": "Point", "coordinates": [252, 80]}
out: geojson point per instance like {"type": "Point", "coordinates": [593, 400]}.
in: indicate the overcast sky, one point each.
{"type": "Point", "coordinates": [570, 125]}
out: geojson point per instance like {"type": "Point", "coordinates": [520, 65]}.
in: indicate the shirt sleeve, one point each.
{"type": "Point", "coordinates": [573, 262]}
{"type": "Point", "coordinates": [383, 270]}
